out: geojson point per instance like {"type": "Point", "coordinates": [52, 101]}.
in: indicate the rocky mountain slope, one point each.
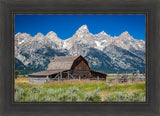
{"type": "Point", "coordinates": [103, 52]}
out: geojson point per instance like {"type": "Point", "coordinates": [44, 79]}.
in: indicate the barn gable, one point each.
{"type": "Point", "coordinates": [80, 64]}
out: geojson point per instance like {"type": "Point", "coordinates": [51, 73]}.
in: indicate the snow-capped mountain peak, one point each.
{"type": "Point", "coordinates": [103, 33]}
{"type": "Point", "coordinates": [19, 33]}
{"type": "Point", "coordinates": [83, 27]}
{"type": "Point", "coordinates": [82, 30]}
{"type": "Point", "coordinates": [39, 35]}
{"type": "Point", "coordinates": [121, 52]}
{"type": "Point", "coordinates": [125, 34]}
{"type": "Point", "coordinates": [51, 34]}
{"type": "Point", "coordinates": [24, 35]}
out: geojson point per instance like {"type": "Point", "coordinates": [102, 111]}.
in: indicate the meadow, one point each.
{"type": "Point", "coordinates": [79, 90]}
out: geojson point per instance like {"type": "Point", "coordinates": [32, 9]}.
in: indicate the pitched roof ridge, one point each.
{"type": "Point", "coordinates": [65, 62]}
{"type": "Point", "coordinates": [65, 56]}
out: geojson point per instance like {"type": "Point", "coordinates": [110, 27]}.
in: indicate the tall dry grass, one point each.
{"type": "Point", "coordinates": [88, 86]}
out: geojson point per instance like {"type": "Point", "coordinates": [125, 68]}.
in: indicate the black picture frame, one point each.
{"type": "Point", "coordinates": [9, 7]}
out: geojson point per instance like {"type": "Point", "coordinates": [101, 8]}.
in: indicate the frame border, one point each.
{"type": "Point", "coordinates": [7, 7]}
{"type": "Point", "coordinates": [72, 13]}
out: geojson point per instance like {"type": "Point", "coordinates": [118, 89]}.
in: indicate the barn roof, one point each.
{"type": "Point", "coordinates": [64, 63]}
{"type": "Point", "coordinates": [46, 72]}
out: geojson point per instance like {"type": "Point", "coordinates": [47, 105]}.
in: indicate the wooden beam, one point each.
{"type": "Point", "coordinates": [68, 74]}
{"type": "Point", "coordinates": [61, 75]}
{"type": "Point", "coordinates": [71, 76]}
{"type": "Point", "coordinates": [56, 75]}
{"type": "Point", "coordinates": [97, 77]}
{"type": "Point", "coordinates": [47, 78]}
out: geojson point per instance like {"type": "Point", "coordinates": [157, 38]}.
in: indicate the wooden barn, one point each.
{"type": "Point", "coordinates": [66, 68]}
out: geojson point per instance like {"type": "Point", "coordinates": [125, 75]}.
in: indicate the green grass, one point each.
{"type": "Point", "coordinates": [122, 88]}
{"type": "Point", "coordinates": [75, 90]}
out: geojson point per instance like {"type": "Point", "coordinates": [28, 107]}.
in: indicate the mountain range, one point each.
{"type": "Point", "coordinates": [103, 52]}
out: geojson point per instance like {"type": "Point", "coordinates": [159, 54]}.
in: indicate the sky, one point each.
{"type": "Point", "coordinates": [65, 26]}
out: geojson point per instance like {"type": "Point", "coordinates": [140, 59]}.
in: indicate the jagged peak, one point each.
{"type": "Point", "coordinates": [51, 33]}
{"type": "Point", "coordinates": [39, 35]}
{"type": "Point", "coordinates": [103, 33]}
{"type": "Point", "coordinates": [125, 33]}
{"type": "Point", "coordinates": [19, 33]}
{"type": "Point", "coordinates": [22, 34]}
{"type": "Point", "coordinates": [83, 28]}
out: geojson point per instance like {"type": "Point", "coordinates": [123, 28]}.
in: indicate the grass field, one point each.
{"type": "Point", "coordinates": [78, 90]}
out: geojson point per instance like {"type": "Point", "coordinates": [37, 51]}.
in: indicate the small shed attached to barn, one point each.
{"type": "Point", "coordinates": [66, 68]}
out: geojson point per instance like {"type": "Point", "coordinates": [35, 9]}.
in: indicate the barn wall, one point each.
{"type": "Point", "coordinates": [81, 70]}
{"type": "Point", "coordinates": [81, 74]}
{"type": "Point", "coordinates": [37, 80]}
{"type": "Point", "coordinates": [100, 76]}
{"type": "Point", "coordinates": [81, 66]}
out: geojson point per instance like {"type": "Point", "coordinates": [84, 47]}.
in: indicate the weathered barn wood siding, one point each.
{"type": "Point", "coordinates": [98, 76]}
{"type": "Point", "coordinates": [81, 69]}
{"type": "Point", "coordinates": [37, 80]}
{"type": "Point", "coordinates": [80, 63]}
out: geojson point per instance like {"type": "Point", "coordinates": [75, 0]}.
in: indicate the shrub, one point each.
{"type": "Point", "coordinates": [125, 97]}
{"type": "Point", "coordinates": [16, 73]}
{"type": "Point", "coordinates": [93, 96]}
{"type": "Point", "coordinates": [39, 93]}
{"type": "Point", "coordinates": [19, 92]}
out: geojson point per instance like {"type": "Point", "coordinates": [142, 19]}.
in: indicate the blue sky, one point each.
{"type": "Point", "coordinates": [66, 25]}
